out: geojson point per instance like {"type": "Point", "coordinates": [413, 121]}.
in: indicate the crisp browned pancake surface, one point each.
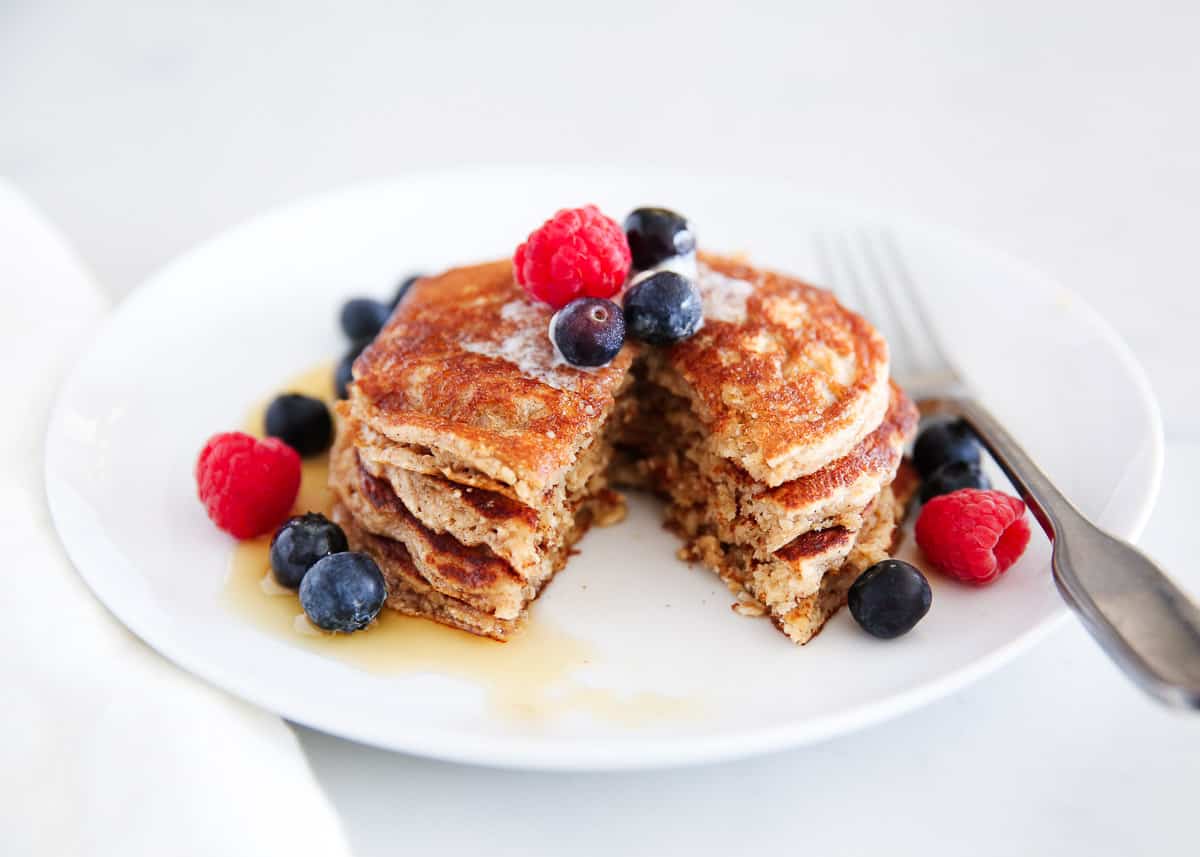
{"type": "Point", "coordinates": [785, 380]}
{"type": "Point", "coordinates": [470, 457]}
{"type": "Point", "coordinates": [466, 366]}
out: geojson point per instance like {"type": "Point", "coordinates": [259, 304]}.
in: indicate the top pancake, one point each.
{"type": "Point", "coordinates": [784, 378]}
{"type": "Point", "coordinates": [464, 381]}
{"type": "Point", "coordinates": [465, 374]}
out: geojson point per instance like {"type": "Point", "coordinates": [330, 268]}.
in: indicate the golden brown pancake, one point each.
{"type": "Point", "coordinates": [470, 458]}
{"type": "Point", "coordinates": [804, 583]}
{"type": "Point", "coordinates": [740, 510]}
{"type": "Point", "coordinates": [464, 380]}
{"type": "Point", "coordinates": [471, 581]}
{"type": "Point", "coordinates": [784, 382]}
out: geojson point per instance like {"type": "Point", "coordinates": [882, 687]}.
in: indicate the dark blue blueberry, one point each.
{"type": "Point", "coordinates": [363, 318]}
{"type": "Point", "coordinates": [302, 422]}
{"type": "Point", "coordinates": [344, 373]}
{"type": "Point", "coordinates": [588, 331]}
{"type": "Point", "coordinates": [943, 442]}
{"type": "Point", "coordinates": [951, 477]}
{"type": "Point", "coordinates": [343, 592]}
{"type": "Point", "coordinates": [403, 288]}
{"type": "Point", "coordinates": [300, 542]}
{"type": "Point", "coordinates": [662, 309]}
{"type": "Point", "coordinates": [657, 234]}
{"type": "Point", "coordinates": [890, 598]}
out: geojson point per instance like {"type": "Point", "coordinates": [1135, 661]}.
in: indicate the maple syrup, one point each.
{"type": "Point", "coordinates": [532, 676]}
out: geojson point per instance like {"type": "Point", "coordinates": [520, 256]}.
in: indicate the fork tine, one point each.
{"type": "Point", "coordinates": [845, 287]}
{"type": "Point", "coordinates": [824, 263]}
{"type": "Point", "coordinates": [864, 299]}
{"type": "Point", "coordinates": [895, 321]}
{"type": "Point", "coordinates": [861, 283]}
{"type": "Point", "coordinates": [915, 305]}
{"type": "Point", "coordinates": [873, 271]}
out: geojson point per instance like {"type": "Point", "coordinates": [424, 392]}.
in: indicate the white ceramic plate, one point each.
{"type": "Point", "coordinates": [228, 322]}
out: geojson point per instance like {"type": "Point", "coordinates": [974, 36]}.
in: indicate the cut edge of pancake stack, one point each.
{"type": "Point", "coordinates": [776, 437]}
{"type": "Point", "coordinates": [467, 462]}
{"type": "Point", "coordinates": [470, 459]}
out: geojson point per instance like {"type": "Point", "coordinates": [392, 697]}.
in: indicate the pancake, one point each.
{"type": "Point", "coordinates": [473, 574]}
{"type": "Point", "coordinates": [806, 582]}
{"type": "Point", "coordinates": [409, 593]}
{"type": "Point", "coordinates": [875, 543]}
{"type": "Point", "coordinates": [742, 511]}
{"type": "Point", "coordinates": [783, 377]}
{"type": "Point", "coordinates": [522, 535]}
{"type": "Point", "coordinates": [832, 494]}
{"type": "Point", "coordinates": [464, 382]}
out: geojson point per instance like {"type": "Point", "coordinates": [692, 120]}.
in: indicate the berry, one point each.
{"type": "Point", "coordinates": [343, 592]}
{"type": "Point", "coordinates": [363, 318]}
{"type": "Point", "coordinates": [344, 373]}
{"type": "Point", "coordinates": [302, 422]}
{"type": "Point", "coordinates": [972, 535]}
{"type": "Point", "coordinates": [656, 235]}
{"type": "Point", "coordinates": [663, 308]}
{"type": "Point", "coordinates": [577, 253]}
{"type": "Point", "coordinates": [247, 485]}
{"type": "Point", "coordinates": [588, 331]}
{"type": "Point", "coordinates": [300, 542]}
{"type": "Point", "coordinates": [952, 477]}
{"type": "Point", "coordinates": [943, 443]}
{"type": "Point", "coordinates": [889, 598]}
{"type": "Point", "coordinates": [403, 288]}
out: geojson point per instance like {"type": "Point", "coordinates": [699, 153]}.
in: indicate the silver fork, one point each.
{"type": "Point", "coordinates": [1143, 620]}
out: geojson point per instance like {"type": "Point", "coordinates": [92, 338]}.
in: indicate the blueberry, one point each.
{"type": "Point", "coordinates": [942, 443]}
{"type": "Point", "coordinates": [302, 422]}
{"type": "Point", "coordinates": [403, 288]}
{"type": "Point", "coordinates": [588, 331]}
{"type": "Point", "coordinates": [663, 308]}
{"type": "Point", "coordinates": [343, 592]}
{"type": "Point", "coordinates": [363, 318]}
{"type": "Point", "coordinates": [951, 477]}
{"type": "Point", "coordinates": [657, 234]}
{"type": "Point", "coordinates": [344, 373]}
{"type": "Point", "coordinates": [890, 598]}
{"type": "Point", "coordinates": [301, 541]}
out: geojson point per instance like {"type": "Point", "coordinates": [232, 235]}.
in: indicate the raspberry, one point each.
{"type": "Point", "coordinates": [247, 485]}
{"type": "Point", "coordinates": [973, 535]}
{"type": "Point", "coordinates": [576, 253]}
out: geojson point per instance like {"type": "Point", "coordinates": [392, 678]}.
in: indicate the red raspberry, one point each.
{"type": "Point", "coordinates": [247, 485]}
{"type": "Point", "coordinates": [973, 535]}
{"type": "Point", "coordinates": [578, 252]}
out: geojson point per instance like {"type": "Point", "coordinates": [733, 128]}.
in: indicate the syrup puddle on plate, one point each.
{"type": "Point", "coordinates": [531, 677]}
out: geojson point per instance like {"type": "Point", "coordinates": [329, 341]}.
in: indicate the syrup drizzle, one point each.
{"type": "Point", "coordinates": [533, 677]}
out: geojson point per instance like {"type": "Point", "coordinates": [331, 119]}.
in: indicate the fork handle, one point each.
{"type": "Point", "coordinates": [1146, 623]}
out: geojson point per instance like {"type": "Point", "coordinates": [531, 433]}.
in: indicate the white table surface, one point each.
{"type": "Point", "coordinates": [1065, 133]}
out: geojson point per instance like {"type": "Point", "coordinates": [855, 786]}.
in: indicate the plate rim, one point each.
{"type": "Point", "coordinates": [593, 754]}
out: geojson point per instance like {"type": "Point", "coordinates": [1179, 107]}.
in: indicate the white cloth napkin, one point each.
{"type": "Point", "coordinates": [105, 747]}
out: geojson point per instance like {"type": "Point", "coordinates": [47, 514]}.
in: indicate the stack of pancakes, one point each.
{"type": "Point", "coordinates": [467, 462]}
{"type": "Point", "coordinates": [775, 435]}
{"type": "Point", "coordinates": [470, 459]}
